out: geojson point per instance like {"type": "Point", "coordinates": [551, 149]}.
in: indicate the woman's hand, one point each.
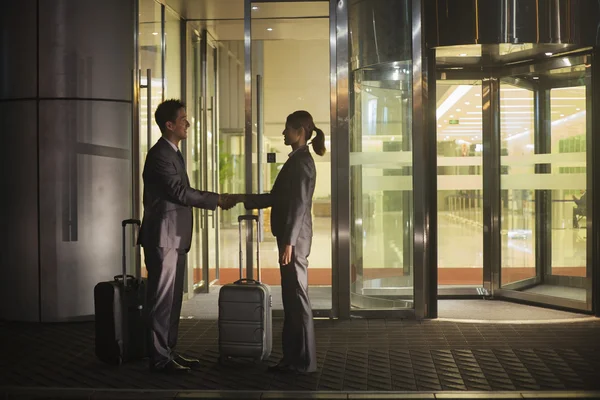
{"type": "Point", "coordinates": [286, 257]}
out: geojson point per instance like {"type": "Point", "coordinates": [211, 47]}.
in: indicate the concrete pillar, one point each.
{"type": "Point", "coordinates": [65, 159]}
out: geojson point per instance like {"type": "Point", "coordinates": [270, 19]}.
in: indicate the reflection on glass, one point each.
{"type": "Point", "coordinates": [150, 34]}
{"type": "Point", "coordinates": [517, 196]}
{"type": "Point", "coordinates": [230, 141]}
{"type": "Point", "coordinates": [172, 55]}
{"type": "Point", "coordinates": [381, 187]}
{"type": "Point", "coordinates": [194, 156]}
{"type": "Point", "coordinates": [460, 183]}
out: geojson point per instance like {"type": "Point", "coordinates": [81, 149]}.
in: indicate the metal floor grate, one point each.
{"type": "Point", "coordinates": [355, 355]}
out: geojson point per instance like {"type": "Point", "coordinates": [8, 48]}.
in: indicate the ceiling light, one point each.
{"type": "Point", "coordinates": [255, 7]}
{"type": "Point", "coordinates": [155, 33]}
{"type": "Point", "coordinates": [467, 102]}
{"type": "Point", "coordinates": [269, 29]}
{"type": "Point", "coordinates": [458, 110]}
{"type": "Point", "coordinates": [451, 100]}
{"type": "Point", "coordinates": [578, 109]}
{"type": "Point", "coordinates": [548, 54]}
{"type": "Point", "coordinates": [439, 126]}
{"type": "Point", "coordinates": [536, 77]}
{"type": "Point", "coordinates": [478, 94]}
{"type": "Point", "coordinates": [452, 116]}
{"type": "Point", "coordinates": [463, 54]}
{"type": "Point", "coordinates": [562, 115]}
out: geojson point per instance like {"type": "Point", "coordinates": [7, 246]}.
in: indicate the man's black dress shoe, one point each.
{"type": "Point", "coordinates": [172, 367]}
{"type": "Point", "coordinates": [281, 368]}
{"type": "Point", "coordinates": [187, 361]}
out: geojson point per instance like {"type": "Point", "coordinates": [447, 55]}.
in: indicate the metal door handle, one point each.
{"type": "Point", "coordinates": [148, 87]}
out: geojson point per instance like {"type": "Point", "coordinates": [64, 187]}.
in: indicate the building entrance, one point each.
{"type": "Point", "coordinates": [513, 174]}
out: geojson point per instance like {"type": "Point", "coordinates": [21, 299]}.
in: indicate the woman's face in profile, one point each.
{"type": "Point", "coordinates": [291, 135]}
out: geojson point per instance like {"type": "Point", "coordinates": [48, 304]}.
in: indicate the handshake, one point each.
{"type": "Point", "coordinates": [227, 201]}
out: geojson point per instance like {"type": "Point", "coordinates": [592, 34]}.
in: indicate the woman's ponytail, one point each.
{"type": "Point", "coordinates": [318, 143]}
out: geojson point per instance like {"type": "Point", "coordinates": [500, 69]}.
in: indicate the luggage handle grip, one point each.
{"type": "Point", "coordinates": [247, 281]}
{"type": "Point", "coordinates": [131, 222]}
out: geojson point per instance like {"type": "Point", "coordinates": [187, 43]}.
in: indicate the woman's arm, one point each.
{"type": "Point", "coordinates": [254, 201]}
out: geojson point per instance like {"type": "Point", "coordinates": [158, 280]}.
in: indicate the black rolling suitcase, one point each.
{"type": "Point", "coordinates": [245, 316]}
{"type": "Point", "coordinates": [121, 331]}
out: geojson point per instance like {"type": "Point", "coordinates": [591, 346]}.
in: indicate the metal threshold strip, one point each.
{"type": "Point", "coordinates": [296, 395]}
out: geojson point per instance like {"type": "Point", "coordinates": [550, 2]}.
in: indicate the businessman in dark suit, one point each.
{"type": "Point", "coordinates": [166, 234]}
{"type": "Point", "coordinates": [291, 223]}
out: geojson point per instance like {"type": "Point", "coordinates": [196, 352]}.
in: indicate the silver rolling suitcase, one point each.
{"type": "Point", "coordinates": [245, 316]}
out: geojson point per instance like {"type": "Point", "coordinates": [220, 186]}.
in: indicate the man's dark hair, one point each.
{"type": "Point", "coordinates": [167, 111]}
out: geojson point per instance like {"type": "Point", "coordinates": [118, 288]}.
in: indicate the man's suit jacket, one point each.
{"type": "Point", "coordinates": [290, 198]}
{"type": "Point", "coordinates": [168, 200]}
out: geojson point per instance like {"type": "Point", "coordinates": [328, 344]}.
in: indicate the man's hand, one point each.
{"type": "Point", "coordinates": [227, 201]}
{"type": "Point", "coordinates": [286, 257]}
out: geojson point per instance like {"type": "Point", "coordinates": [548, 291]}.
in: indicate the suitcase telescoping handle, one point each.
{"type": "Point", "coordinates": [250, 218]}
{"type": "Point", "coordinates": [124, 225]}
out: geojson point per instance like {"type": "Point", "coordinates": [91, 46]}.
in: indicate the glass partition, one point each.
{"type": "Point", "coordinates": [517, 194]}
{"type": "Point", "coordinates": [290, 71]}
{"type": "Point", "coordinates": [460, 183]}
{"type": "Point", "coordinates": [381, 211]}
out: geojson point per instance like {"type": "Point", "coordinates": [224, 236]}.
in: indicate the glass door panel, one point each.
{"type": "Point", "coordinates": [517, 194]}
{"type": "Point", "coordinates": [194, 159]}
{"type": "Point", "coordinates": [381, 187]}
{"type": "Point", "coordinates": [460, 184]}
{"type": "Point", "coordinates": [290, 72]}
{"type": "Point", "coordinates": [544, 182]}
{"type": "Point", "coordinates": [151, 82]}
{"type": "Point", "coordinates": [212, 162]}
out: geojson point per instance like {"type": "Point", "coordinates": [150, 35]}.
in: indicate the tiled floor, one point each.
{"type": "Point", "coordinates": [355, 355]}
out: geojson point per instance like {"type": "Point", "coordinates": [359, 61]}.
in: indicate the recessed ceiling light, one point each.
{"type": "Point", "coordinates": [155, 33]}
{"type": "Point", "coordinates": [458, 110]}
{"type": "Point", "coordinates": [463, 54]}
{"type": "Point", "coordinates": [467, 102]}
{"type": "Point", "coordinates": [255, 7]}
{"type": "Point", "coordinates": [536, 77]}
{"type": "Point", "coordinates": [577, 109]}
{"type": "Point", "coordinates": [478, 94]}
{"type": "Point", "coordinates": [269, 29]}
{"type": "Point", "coordinates": [452, 116]}
{"type": "Point", "coordinates": [548, 54]}
{"type": "Point", "coordinates": [562, 115]}
{"type": "Point", "coordinates": [439, 126]}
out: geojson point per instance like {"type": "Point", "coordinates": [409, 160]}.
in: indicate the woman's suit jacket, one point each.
{"type": "Point", "coordinates": [290, 198]}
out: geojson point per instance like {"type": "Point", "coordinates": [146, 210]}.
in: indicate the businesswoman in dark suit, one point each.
{"type": "Point", "coordinates": [291, 224]}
